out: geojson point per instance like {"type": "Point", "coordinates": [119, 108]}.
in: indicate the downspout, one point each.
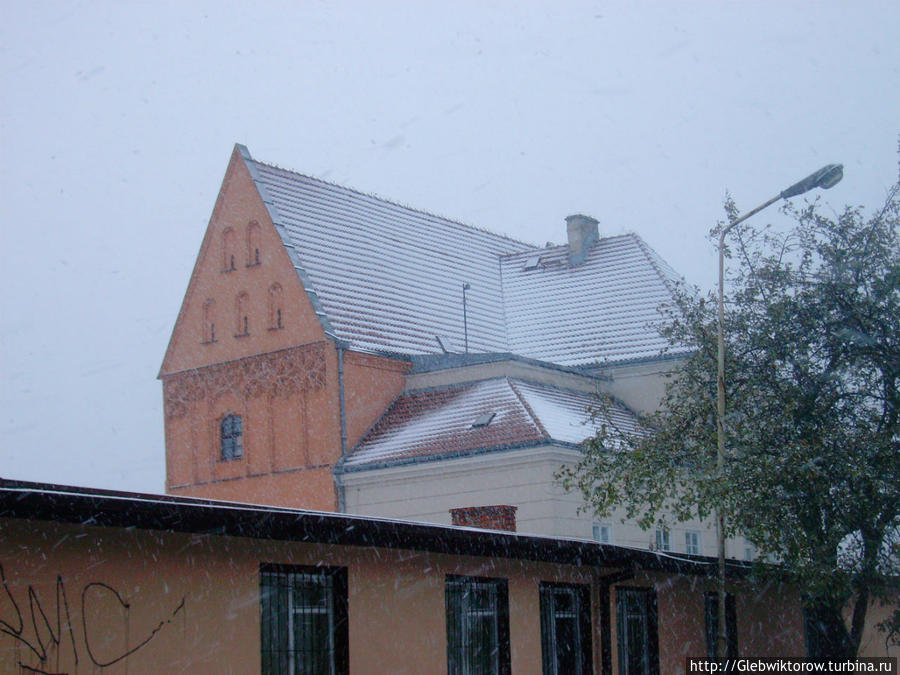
{"type": "Point", "coordinates": [338, 483]}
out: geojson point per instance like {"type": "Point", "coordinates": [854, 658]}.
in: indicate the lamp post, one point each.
{"type": "Point", "coordinates": [826, 177]}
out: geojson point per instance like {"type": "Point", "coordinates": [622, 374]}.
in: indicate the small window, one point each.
{"type": "Point", "coordinates": [565, 629]}
{"type": "Point", "coordinates": [231, 437]}
{"type": "Point", "coordinates": [228, 250]}
{"type": "Point", "coordinates": [483, 420]}
{"type": "Point", "coordinates": [662, 540]}
{"type": "Point", "coordinates": [602, 533]}
{"type": "Point", "coordinates": [276, 307]}
{"type": "Point", "coordinates": [253, 257]}
{"type": "Point", "coordinates": [711, 602]}
{"type": "Point", "coordinates": [304, 620]}
{"type": "Point", "coordinates": [209, 321]}
{"type": "Point", "coordinates": [532, 263]}
{"type": "Point", "coordinates": [477, 626]}
{"type": "Point", "coordinates": [637, 631]}
{"type": "Point", "coordinates": [241, 309]}
{"type": "Point", "coordinates": [692, 542]}
{"type": "Point", "coordinates": [749, 550]}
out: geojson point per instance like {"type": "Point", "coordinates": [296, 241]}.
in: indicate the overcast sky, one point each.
{"type": "Point", "coordinates": [117, 120]}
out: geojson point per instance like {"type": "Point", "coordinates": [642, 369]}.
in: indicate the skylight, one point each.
{"type": "Point", "coordinates": [532, 263]}
{"type": "Point", "coordinates": [483, 420]}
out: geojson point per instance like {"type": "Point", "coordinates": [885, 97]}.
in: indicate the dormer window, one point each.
{"type": "Point", "coordinates": [209, 321]}
{"type": "Point", "coordinates": [241, 308]}
{"type": "Point", "coordinates": [228, 251]}
{"type": "Point", "coordinates": [253, 256]}
{"type": "Point", "coordinates": [276, 307]}
{"type": "Point", "coordinates": [231, 437]}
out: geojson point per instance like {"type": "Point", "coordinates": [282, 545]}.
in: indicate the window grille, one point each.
{"type": "Point", "coordinates": [477, 626]}
{"type": "Point", "coordinates": [636, 625]}
{"type": "Point", "coordinates": [304, 620]}
{"type": "Point", "coordinates": [565, 629]}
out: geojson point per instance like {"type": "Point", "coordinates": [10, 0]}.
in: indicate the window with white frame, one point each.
{"type": "Point", "coordinates": [662, 540]}
{"type": "Point", "coordinates": [692, 542]}
{"type": "Point", "coordinates": [602, 532]}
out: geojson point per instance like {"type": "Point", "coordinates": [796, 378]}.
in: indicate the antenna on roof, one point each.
{"type": "Point", "coordinates": [465, 287]}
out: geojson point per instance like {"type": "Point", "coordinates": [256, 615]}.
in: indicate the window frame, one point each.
{"type": "Point", "coordinates": [663, 541]}
{"type": "Point", "coordinates": [457, 588]}
{"type": "Point", "coordinates": [550, 643]}
{"type": "Point", "coordinates": [273, 616]}
{"type": "Point", "coordinates": [697, 544]}
{"type": "Point", "coordinates": [597, 528]}
{"type": "Point", "coordinates": [231, 442]}
{"type": "Point", "coordinates": [645, 599]}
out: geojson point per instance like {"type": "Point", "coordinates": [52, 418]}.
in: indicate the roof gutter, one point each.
{"type": "Point", "coordinates": [338, 483]}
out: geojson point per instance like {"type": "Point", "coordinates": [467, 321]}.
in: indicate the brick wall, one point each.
{"type": "Point", "coordinates": [498, 517]}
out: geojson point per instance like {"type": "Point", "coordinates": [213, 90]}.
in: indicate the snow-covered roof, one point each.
{"type": "Point", "coordinates": [604, 309]}
{"type": "Point", "coordinates": [443, 422]}
{"type": "Point", "coordinates": [388, 278]}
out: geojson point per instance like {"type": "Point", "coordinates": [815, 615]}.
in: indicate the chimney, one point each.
{"type": "Point", "coordinates": [499, 517]}
{"type": "Point", "coordinates": [583, 232]}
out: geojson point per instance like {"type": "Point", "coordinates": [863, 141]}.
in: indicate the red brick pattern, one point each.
{"type": "Point", "coordinates": [497, 517]}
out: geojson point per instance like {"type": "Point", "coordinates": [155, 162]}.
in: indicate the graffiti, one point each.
{"type": "Point", "coordinates": [54, 632]}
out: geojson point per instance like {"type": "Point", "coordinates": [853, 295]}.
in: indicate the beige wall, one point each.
{"type": "Point", "coordinates": [522, 478]}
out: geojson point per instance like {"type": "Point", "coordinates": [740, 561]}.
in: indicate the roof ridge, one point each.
{"type": "Point", "coordinates": [654, 259]}
{"type": "Point", "coordinates": [392, 202]}
{"type": "Point", "coordinates": [528, 409]}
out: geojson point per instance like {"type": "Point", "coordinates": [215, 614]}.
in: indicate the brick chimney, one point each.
{"type": "Point", "coordinates": [498, 517]}
{"type": "Point", "coordinates": [583, 232]}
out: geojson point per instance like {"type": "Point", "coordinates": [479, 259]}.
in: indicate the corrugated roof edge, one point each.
{"type": "Point", "coordinates": [108, 508]}
{"type": "Point", "coordinates": [372, 195]}
{"type": "Point", "coordinates": [305, 279]}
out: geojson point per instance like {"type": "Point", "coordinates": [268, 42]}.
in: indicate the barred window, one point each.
{"type": "Point", "coordinates": [231, 436]}
{"type": "Point", "coordinates": [636, 626]}
{"type": "Point", "coordinates": [711, 602]}
{"type": "Point", "coordinates": [477, 626]}
{"type": "Point", "coordinates": [304, 620]}
{"type": "Point", "coordinates": [566, 629]}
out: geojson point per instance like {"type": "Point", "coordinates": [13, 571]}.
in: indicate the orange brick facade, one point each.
{"type": "Point", "coordinates": [249, 344]}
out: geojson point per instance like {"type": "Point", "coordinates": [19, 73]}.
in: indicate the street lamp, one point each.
{"type": "Point", "coordinates": [826, 177]}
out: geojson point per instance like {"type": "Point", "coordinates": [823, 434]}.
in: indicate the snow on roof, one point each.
{"type": "Point", "coordinates": [385, 277]}
{"type": "Point", "coordinates": [605, 309]}
{"type": "Point", "coordinates": [389, 277]}
{"type": "Point", "coordinates": [439, 423]}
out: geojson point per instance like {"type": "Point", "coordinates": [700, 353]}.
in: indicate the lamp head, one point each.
{"type": "Point", "coordinates": [826, 177]}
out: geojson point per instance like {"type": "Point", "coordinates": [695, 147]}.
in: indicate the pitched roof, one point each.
{"type": "Point", "coordinates": [388, 278]}
{"type": "Point", "coordinates": [440, 423]}
{"type": "Point", "coordinates": [604, 309]}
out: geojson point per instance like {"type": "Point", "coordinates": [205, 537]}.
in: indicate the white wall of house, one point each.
{"type": "Point", "coordinates": [524, 478]}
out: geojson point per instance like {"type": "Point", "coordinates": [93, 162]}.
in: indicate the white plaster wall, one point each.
{"type": "Point", "coordinates": [522, 478]}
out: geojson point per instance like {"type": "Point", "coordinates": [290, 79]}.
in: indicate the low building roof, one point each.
{"type": "Point", "coordinates": [443, 422]}
{"type": "Point", "coordinates": [106, 508]}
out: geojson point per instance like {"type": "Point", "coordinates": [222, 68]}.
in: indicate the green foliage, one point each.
{"type": "Point", "coordinates": [812, 471]}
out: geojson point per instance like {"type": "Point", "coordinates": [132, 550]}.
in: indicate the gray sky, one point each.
{"type": "Point", "coordinates": [117, 120]}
